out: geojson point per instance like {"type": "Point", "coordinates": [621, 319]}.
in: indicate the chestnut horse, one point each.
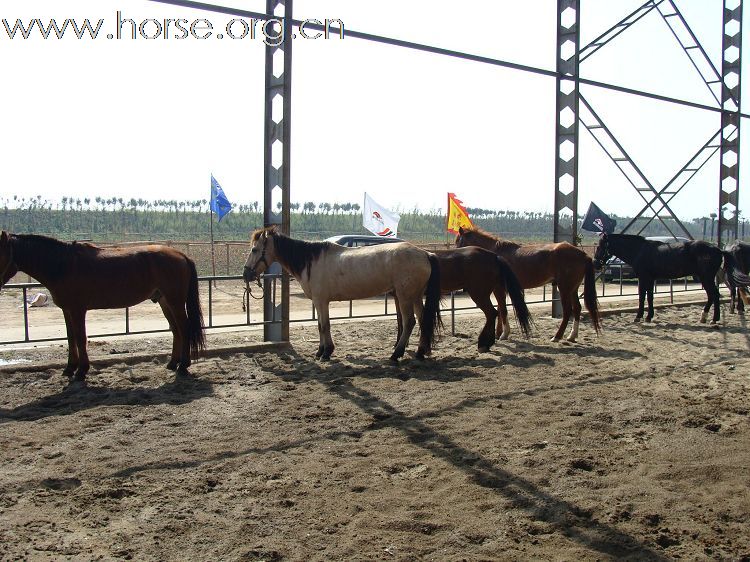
{"type": "Point", "coordinates": [482, 273]}
{"type": "Point", "coordinates": [82, 277]}
{"type": "Point", "coordinates": [329, 272]}
{"type": "Point", "coordinates": [536, 265]}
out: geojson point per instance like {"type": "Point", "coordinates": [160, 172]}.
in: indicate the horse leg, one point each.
{"type": "Point", "coordinates": [407, 307]}
{"type": "Point", "coordinates": [174, 359]}
{"type": "Point", "coordinates": [576, 303]}
{"type": "Point", "coordinates": [567, 308]}
{"type": "Point", "coordinates": [503, 326]}
{"type": "Point", "coordinates": [641, 299]}
{"type": "Point", "coordinates": [180, 342]}
{"type": "Point", "coordinates": [78, 318]}
{"type": "Point", "coordinates": [650, 297]}
{"type": "Point", "coordinates": [326, 347]}
{"type": "Point", "coordinates": [487, 335]}
{"type": "Point", "coordinates": [713, 297]}
{"type": "Point", "coordinates": [741, 292]}
{"type": "Point", "coordinates": [399, 321]}
{"type": "Point", "coordinates": [72, 346]}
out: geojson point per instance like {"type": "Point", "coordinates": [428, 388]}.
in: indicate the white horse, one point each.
{"type": "Point", "coordinates": [329, 272]}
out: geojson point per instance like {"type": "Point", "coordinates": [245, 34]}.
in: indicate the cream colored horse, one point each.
{"type": "Point", "coordinates": [329, 272]}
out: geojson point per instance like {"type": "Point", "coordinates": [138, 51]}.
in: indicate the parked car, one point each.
{"type": "Point", "coordinates": [616, 269]}
{"type": "Point", "coordinates": [356, 240]}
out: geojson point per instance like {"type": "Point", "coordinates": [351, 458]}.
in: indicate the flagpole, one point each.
{"type": "Point", "coordinates": [213, 255]}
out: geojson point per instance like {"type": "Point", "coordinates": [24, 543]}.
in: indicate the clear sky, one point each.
{"type": "Point", "coordinates": [153, 119]}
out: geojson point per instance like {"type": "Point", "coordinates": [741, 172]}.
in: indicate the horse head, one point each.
{"type": "Point", "coordinates": [261, 254]}
{"type": "Point", "coordinates": [464, 237]}
{"type": "Point", "coordinates": [602, 253]}
{"type": "Point", "coordinates": [8, 267]}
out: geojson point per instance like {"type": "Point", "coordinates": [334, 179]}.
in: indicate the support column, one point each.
{"type": "Point", "coordinates": [566, 130]}
{"type": "Point", "coordinates": [729, 166]}
{"type": "Point", "coordinates": [278, 98]}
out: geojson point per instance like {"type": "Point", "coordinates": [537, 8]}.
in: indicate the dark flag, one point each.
{"type": "Point", "coordinates": [219, 202]}
{"type": "Point", "coordinates": [597, 221]}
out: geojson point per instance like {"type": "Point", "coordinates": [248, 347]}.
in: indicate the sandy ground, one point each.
{"type": "Point", "coordinates": [633, 445]}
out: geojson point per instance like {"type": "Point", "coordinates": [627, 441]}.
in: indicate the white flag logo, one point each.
{"type": "Point", "coordinates": [379, 220]}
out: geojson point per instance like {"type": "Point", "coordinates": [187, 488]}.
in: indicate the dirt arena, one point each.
{"type": "Point", "coordinates": [633, 445]}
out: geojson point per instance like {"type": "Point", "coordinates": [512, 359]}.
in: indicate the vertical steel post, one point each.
{"type": "Point", "coordinates": [729, 165]}
{"type": "Point", "coordinates": [277, 150]}
{"type": "Point", "coordinates": [566, 129]}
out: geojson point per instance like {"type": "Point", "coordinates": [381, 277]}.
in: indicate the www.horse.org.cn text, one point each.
{"type": "Point", "coordinates": [271, 31]}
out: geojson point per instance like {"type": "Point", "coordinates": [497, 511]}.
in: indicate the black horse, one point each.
{"type": "Point", "coordinates": [652, 260]}
{"type": "Point", "coordinates": [740, 251]}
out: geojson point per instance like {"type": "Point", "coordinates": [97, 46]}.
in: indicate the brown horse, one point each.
{"type": "Point", "coordinates": [83, 277]}
{"type": "Point", "coordinates": [482, 273]}
{"type": "Point", "coordinates": [329, 272]}
{"type": "Point", "coordinates": [560, 263]}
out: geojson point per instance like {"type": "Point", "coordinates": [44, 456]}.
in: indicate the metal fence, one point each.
{"type": "Point", "coordinates": [228, 291]}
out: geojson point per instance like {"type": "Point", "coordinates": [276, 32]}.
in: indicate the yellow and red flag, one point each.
{"type": "Point", "coordinates": [457, 215]}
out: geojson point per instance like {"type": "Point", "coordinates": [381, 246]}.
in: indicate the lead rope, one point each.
{"type": "Point", "coordinates": [249, 292]}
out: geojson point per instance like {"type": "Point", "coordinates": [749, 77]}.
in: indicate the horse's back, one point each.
{"type": "Point", "coordinates": [368, 271]}
{"type": "Point", "coordinates": [114, 277]}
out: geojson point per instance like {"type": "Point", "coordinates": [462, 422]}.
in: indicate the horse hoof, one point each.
{"type": "Point", "coordinates": [483, 349]}
{"type": "Point", "coordinates": [182, 371]}
{"type": "Point", "coordinates": [554, 339]}
{"type": "Point", "coordinates": [715, 325]}
{"type": "Point", "coordinates": [649, 320]}
{"type": "Point", "coordinates": [69, 371]}
{"type": "Point", "coordinates": [172, 365]}
{"type": "Point", "coordinates": [636, 321]}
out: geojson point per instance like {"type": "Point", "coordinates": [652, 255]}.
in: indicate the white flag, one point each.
{"type": "Point", "coordinates": [378, 219]}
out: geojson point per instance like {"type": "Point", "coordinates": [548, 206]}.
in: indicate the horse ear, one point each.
{"type": "Point", "coordinates": [461, 230]}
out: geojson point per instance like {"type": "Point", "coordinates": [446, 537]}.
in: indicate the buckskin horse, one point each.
{"type": "Point", "coordinates": [536, 265]}
{"type": "Point", "coordinates": [82, 277]}
{"type": "Point", "coordinates": [482, 273]}
{"type": "Point", "coordinates": [652, 260]}
{"type": "Point", "coordinates": [329, 272]}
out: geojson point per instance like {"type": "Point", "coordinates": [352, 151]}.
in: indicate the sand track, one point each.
{"type": "Point", "coordinates": [633, 445]}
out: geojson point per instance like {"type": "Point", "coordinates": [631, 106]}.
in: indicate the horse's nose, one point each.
{"type": "Point", "coordinates": [248, 274]}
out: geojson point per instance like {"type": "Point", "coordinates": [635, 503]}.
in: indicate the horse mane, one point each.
{"type": "Point", "coordinates": [500, 242]}
{"type": "Point", "coordinates": [296, 255]}
{"type": "Point", "coordinates": [45, 253]}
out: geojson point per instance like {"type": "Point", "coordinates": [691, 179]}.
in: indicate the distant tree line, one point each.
{"type": "Point", "coordinates": [119, 219]}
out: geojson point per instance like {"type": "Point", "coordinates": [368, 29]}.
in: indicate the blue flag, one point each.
{"type": "Point", "coordinates": [219, 202]}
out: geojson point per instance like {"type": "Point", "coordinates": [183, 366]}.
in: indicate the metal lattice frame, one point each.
{"type": "Point", "coordinates": [729, 167]}
{"type": "Point", "coordinates": [566, 130]}
{"type": "Point", "coordinates": [657, 201]}
{"type": "Point", "coordinates": [276, 162]}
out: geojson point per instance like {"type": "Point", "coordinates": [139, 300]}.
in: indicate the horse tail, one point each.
{"type": "Point", "coordinates": [432, 324]}
{"type": "Point", "coordinates": [515, 291]}
{"type": "Point", "coordinates": [589, 295]}
{"type": "Point", "coordinates": [734, 275]}
{"type": "Point", "coordinates": [196, 334]}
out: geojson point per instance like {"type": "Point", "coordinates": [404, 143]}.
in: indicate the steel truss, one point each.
{"type": "Point", "coordinates": [276, 161]}
{"type": "Point", "coordinates": [724, 88]}
{"type": "Point", "coordinates": [721, 87]}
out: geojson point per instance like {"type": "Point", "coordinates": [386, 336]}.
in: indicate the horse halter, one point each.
{"type": "Point", "coordinates": [606, 255]}
{"type": "Point", "coordinates": [248, 290]}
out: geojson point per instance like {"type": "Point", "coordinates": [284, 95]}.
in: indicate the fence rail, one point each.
{"type": "Point", "coordinates": [455, 303]}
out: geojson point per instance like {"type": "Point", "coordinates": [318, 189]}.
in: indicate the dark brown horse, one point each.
{"type": "Point", "coordinates": [482, 273]}
{"type": "Point", "coordinates": [536, 265]}
{"type": "Point", "coordinates": [83, 277]}
{"type": "Point", "coordinates": [740, 251]}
